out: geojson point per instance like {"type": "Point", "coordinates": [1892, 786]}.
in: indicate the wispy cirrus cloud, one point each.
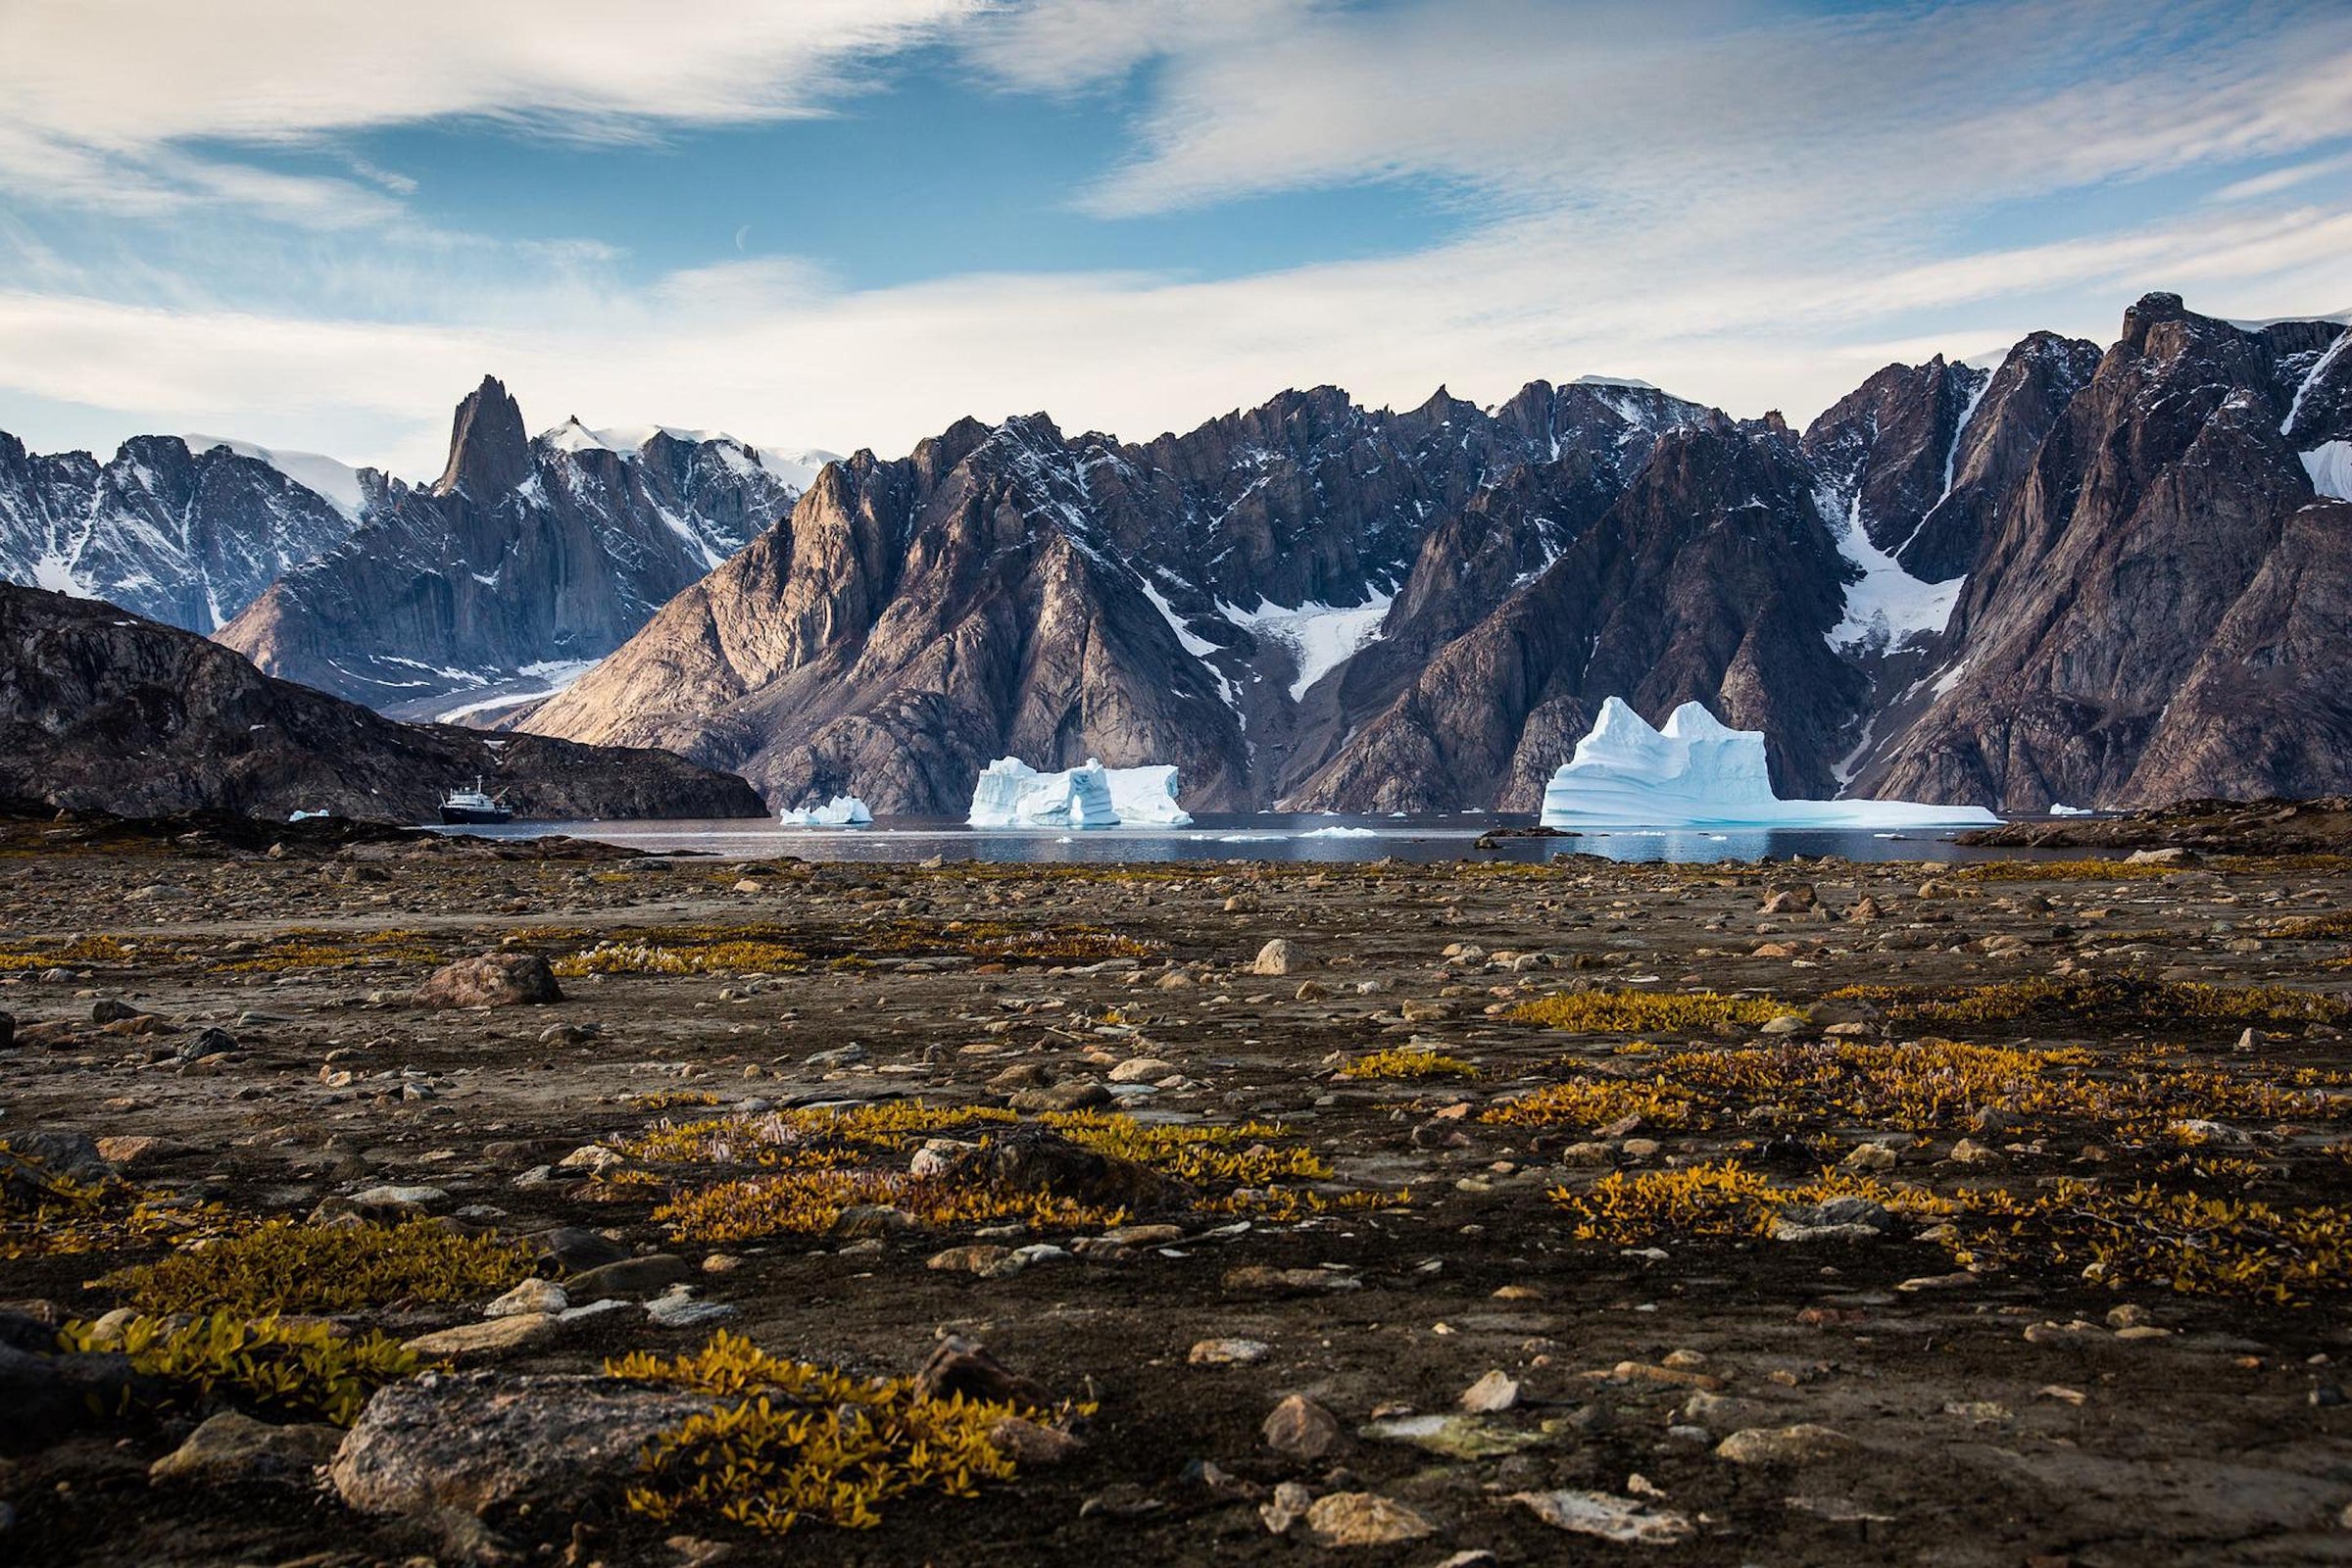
{"type": "Point", "coordinates": [101, 99]}
{"type": "Point", "coordinates": [1754, 202]}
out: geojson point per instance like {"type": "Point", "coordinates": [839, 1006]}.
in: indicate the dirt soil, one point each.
{"type": "Point", "coordinates": [2001, 1413]}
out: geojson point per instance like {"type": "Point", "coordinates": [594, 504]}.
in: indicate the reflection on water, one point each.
{"type": "Point", "coordinates": [1268, 836]}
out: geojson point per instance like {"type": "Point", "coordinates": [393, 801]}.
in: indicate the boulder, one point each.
{"type": "Point", "coordinates": [1036, 1159]}
{"type": "Point", "coordinates": [1276, 957]}
{"type": "Point", "coordinates": [480, 1441]}
{"type": "Point", "coordinates": [232, 1448]}
{"type": "Point", "coordinates": [492, 980]}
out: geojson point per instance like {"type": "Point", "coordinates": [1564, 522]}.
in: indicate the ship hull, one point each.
{"type": "Point", "coordinates": [460, 815]}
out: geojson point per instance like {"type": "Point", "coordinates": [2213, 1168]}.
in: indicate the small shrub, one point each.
{"type": "Point", "coordinates": [290, 1371]}
{"type": "Point", "coordinates": [283, 1267]}
{"type": "Point", "coordinates": [802, 1443]}
{"type": "Point", "coordinates": [1409, 1063]}
{"type": "Point", "coordinates": [808, 1203]}
{"type": "Point", "coordinates": [1593, 1012]}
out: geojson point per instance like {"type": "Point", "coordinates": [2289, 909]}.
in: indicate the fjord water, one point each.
{"type": "Point", "coordinates": [1261, 836]}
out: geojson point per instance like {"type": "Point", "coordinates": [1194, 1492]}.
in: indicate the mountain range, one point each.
{"type": "Point", "coordinates": [2087, 576]}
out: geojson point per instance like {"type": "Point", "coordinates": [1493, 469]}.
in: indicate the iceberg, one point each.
{"type": "Point", "coordinates": [1698, 773]}
{"type": "Point", "coordinates": [1013, 794]}
{"type": "Point", "coordinates": [1146, 797]}
{"type": "Point", "coordinates": [842, 810]}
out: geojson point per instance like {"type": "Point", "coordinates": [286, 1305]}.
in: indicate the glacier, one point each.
{"type": "Point", "coordinates": [1698, 773]}
{"type": "Point", "coordinates": [1013, 794]}
{"type": "Point", "coordinates": [842, 810]}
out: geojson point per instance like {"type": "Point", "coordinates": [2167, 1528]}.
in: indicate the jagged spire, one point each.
{"type": "Point", "coordinates": [489, 452]}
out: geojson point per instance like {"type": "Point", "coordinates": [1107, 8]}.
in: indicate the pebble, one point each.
{"type": "Point", "coordinates": [1625, 1520]}
{"type": "Point", "coordinates": [1229, 1352]}
{"type": "Point", "coordinates": [1801, 1444]}
{"type": "Point", "coordinates": [1496, 1391]}
{"type": "Point", "coordinates": [1365, 1519]}
{"type": "Point", "coordinates": [1301, 1427]}
{"type": "Point", "coordinates": [531, 1295]}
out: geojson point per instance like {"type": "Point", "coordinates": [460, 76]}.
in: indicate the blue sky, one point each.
{"type": "Point", "coordinates": [846, 223]}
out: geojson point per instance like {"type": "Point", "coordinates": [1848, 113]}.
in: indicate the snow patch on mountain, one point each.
{"type": "Point", "coordinates": [1887, 606]}
{"type": "Point", "coordinates": [336, 481]}
{"type": "Point", "coordinates": [1320, 637]}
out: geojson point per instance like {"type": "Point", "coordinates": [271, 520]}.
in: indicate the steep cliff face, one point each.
{"type": "Point", "coordinates": [2121, 606]}
{"type": "Point", "coordinates": [106, 710]}
{"type": "Point", "coordinates": [1713, 578]}
{"type": "Point", "coordinates": [1012, 590]}
{"type": "Point", "coordinates": [526, 559]}
{"type": "Point", "coordinates": [914, 620]}
{"type": "Point", "coordinates": [188, 533]}
{"type": "Point", "coordinates": [2059, 578]}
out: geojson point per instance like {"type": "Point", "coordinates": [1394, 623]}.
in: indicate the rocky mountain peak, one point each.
{"type": "Point", "coordinates": [489, 449]}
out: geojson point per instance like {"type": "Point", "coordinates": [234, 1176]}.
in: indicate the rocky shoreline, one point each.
{"type": "Point", "coordinates": [2322, 826]}
{"type": "Point", "coordinates": [1839, 1213]}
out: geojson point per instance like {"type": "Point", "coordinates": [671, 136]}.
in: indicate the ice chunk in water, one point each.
{"type": "Point", "coordinates": [1698, 773]}
{"type": "Point", "coordinates": [842, 810]}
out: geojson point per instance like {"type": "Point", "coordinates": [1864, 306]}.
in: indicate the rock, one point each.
{"type": "Point", "coordinates": [231, 1447]}
{"type": "Point", "coordinates": [1071, 1094]}
{"type": "Point", "coordinates": [130, 1152]}
{"type": "Point", "coordinates": [2173, 855]}
{"type": "Point", "coordinates": [8, 1030]}
{"type": "Point", "coordinates": [1142, 1071]}
{"type": "Point", "coordinates": [1037, 1159]}
{"type": "Point", "coordinates": [490, 1337]}
{"type": "Point", "coordinates": [1365, 1519]}
{"type": "Point", "coordinates": [1802, 1443]}
{"type": "Point", "coordinates": [633, 1276]}
{"type": "Point", "coordinates": [414, 1197]}
{"type": "Point", "coordinates": [1455, 1436]}
{"type": "Point", "coordinates": [571, 1249]}
{"type": "Point", "coordinates": [1840, 1219]}
{"type": "Point", "coordinates": [861, 1221]}
{"type": "Point", "coordinates": [531, 1295]}
{"type": "Point", "coordinates": [957, 1365]}
{"type": "Point", "coordinates": [1276, 957]}
{"type": "Point", "coordinates": [1027, 1442]}
{"type": "Point", "coordinates": [678, 1308]}
{"type": "Point", "coordinates": [1290, 1503]}
{"type": "Point", "coordinates": [208, 1043]}
{"type": "Point", "coordinates": [1258, 1279]}
{"type": "Point", "coordinates": [1496, 1391]}
{"type": "Point", "coordinates": [1786, 1023]}
{"type": "Point", "coordinates": [478, 1440]}
{"type": "Point", "coordinates": [1301, 1427]}
{"type": "Point", "coordinates": [106, 1009]}
{"type": "Point", "coordinates": [1626, 1520]}
{"type": "Point", "coordinates": [984, 1259]}
{"type": "Point", "coordinates": [73, 1156]}
{"type": "Point", "coordinates": [48, 1396]}
{"type": "Point", "coordinates": [1866, 909]}
{"type": "Point", "coordinates": [1968, 1151]}
{"type": "Point", "coordinates": [1869, 1157]}
{"type": "Point", "coordinates": [1229, 1352]}
{"type": "Point", "coordinates": [492, 980]}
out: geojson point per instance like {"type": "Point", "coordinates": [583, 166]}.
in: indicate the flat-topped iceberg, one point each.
{"type": "Point", "coordinates": [1013, 794]}
{"type": "Point", "coordinates": [1698, 773]}
{"type": "Point", "coordinates": [842, 810]}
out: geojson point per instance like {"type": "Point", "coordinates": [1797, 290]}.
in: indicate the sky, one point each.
{"type": "Point", "coordinates": [844, 223]}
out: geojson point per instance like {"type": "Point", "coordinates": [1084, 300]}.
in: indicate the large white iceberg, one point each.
{"type": "Point", "coordinates": [842, 810]}
{"type": "Point", "coordinates": [1013, 794]}
{"type": "Point", "coordinates": [1698, 772]}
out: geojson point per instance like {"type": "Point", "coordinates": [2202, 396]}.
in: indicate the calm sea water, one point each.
{"type": "Point", "coordinates": [1270, 836]}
